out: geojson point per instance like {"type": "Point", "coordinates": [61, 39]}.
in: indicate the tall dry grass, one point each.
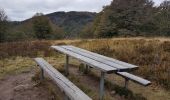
{"type": "Point", "coordinates": [152, 56]}
{"type": "Point", "coordinates": [25, 49]}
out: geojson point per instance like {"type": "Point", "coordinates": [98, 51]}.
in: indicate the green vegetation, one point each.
{"type": "Point", "coordinates": [120, 18]}
{"type": "Point", "coordinates": [57, 25]}
{"type": "Point", "coordinates": [72, 22]}
{"type": "Point", "coordinates": [132, 18]}
{"type": "Point", "coordinates": [41, 26]}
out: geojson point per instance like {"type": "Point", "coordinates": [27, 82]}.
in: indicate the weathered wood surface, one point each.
{"type": "Point", "coordinates": [91, 62]}
{"type": "Point", "coordinates": [121, 66]}
{"type": "Point", "coordinates": [73, 92]}
{"type": "Point", "coordinates": [134, 78]}
{"type": "Point", "coordinates": [103, 63]}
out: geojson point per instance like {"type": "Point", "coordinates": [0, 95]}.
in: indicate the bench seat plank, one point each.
{"type": "Point", "coordinates": [93, 63]}
{"type": "Point", "coordinates": [134, 78]}
{"type": "Point", "coordinates": [104, 59]}
{"type": "Point", "coordinates": [73, 92]}
{"type": "Point", "coordinates": [99, 59]}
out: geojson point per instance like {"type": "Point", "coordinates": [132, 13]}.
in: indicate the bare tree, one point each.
{"type": "Point", "coordinates": [3, 16]}
{"type": "Point", "coordinates": [3, 24]}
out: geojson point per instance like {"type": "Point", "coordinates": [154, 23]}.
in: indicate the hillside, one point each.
{"type": "Point", "coordinates": [71, 22]}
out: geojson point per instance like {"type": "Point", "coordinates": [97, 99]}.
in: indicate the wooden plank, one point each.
{"type": "Point", "coordinates": [134, 78]}
{"type": "Point", "coordinates": [73, 92]}
{"type": "Point", "coordinates": [93, 63]}
{"type": "Point", "coordinates": [107, 60]}
{"type": "Point", "coordinates": [99, 59]}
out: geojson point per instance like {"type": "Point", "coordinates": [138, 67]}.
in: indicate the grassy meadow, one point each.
{"type": "Point", "coordinates": [152, 55]}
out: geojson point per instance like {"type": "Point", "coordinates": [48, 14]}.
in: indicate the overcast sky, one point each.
{"type": "Point", "coordinates": [22, 9]}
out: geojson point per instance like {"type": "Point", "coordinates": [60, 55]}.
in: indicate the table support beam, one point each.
{"type": "Point", "coordinates": [102, 85]}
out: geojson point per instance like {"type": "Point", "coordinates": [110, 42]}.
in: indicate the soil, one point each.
{"type": "Point", "coordinates": [21, 87]}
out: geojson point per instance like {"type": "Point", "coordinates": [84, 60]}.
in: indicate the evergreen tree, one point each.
{"type": "Point", "coordinates": [130, 15]}
{"type": "Point", "coordinates": [41, 26]}
{"type": "Point", "coordinates": [162, 19]}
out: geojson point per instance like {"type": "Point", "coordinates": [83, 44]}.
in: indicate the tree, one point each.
{"type": "Point", "coordinates": [162, 19]}
{"type": "Point", "coordinates": [105, 28]}
{"type": "Point", "coordinates": [41, 26]}
{"type": "Point", "coordinates": [129, 15]}
{"type": "Point", "coordinates": [3, 25]}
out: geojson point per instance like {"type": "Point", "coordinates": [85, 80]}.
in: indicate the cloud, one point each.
{"type": "Point", "coordinates": [23, 9]}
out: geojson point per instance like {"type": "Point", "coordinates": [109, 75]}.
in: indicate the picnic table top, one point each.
{"type": "Point", "coordinates": [98, 61]}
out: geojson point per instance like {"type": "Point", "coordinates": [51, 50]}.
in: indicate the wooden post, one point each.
{"type": "Point", "coordinates": [126, 82]}
{"type": "Point", "coordinates": [102, 85]}
{"type": "Point", "coordinates": [41, 74]}
{"type": "Point", "coordinates": [66, 65]}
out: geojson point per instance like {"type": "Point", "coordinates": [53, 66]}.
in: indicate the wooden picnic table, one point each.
{"type": "Point", "coordinates": [105, 64]}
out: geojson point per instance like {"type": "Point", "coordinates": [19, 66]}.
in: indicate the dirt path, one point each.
{"type": "Point", "coordinates": [21, 87]}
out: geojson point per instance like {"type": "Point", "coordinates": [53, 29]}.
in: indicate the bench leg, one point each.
{"type": "Point", "coordinates": [66, 65]}
{"type": "Point", "coordinates": [126, 82]}
{"type": "Point", "coordinates": [102, 86]}
{"type": "Point", "coordinates": [42, 74]}
{"type": "Point", "coordinates": [66, 97]}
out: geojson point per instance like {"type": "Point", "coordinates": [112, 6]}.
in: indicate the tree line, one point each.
{"type": "Point", "coordinates": [120, 18]}
{"type": "Point", "coordinates": [131, 18]}
{"type": "Point", "coordinates": [38, 27]}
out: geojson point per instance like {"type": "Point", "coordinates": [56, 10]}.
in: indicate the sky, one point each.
{"type": "Point", "coordinates": [18, 10]}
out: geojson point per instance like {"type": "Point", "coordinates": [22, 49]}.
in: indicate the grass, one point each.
{"type": "Point", "coordinates": [15, 66]}
{"type": "Point", "coordinates": [152, 56]}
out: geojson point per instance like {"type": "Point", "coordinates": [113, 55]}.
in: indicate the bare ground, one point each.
{"type": "Point", "coordinates": [21, 87]}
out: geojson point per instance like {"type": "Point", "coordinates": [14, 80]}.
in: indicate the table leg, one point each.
{"type": "Point", "coordinates": [86, 69]}
{"type": "Point", "coordinates": [126, 82]}
{"type": "Point", "coordinates": [66, 97]}
{"type": "Point", "coordinates": [102, 86]}
{"type": "Point", "coordinates": [66, 65]}
{"type": "Point", "coordinates": [42, 74]}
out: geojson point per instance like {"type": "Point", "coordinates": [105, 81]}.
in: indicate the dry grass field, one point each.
{"type": "Point", "coordinates": [152, 55]}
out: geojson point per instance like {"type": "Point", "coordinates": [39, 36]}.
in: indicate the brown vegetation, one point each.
{"type": "Point", "coordinates": [152, 56]}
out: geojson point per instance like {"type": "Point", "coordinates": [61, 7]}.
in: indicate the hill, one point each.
{"type": "Point", "coordinates": [72, 22]}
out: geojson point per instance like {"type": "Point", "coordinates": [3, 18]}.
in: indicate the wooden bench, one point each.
{"type": "Point", "coordinates": [102, 63]}
{"type": "Point", "coordinates": [70, 90]}
{"type": "Point", "coordinates": [134, 78]}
